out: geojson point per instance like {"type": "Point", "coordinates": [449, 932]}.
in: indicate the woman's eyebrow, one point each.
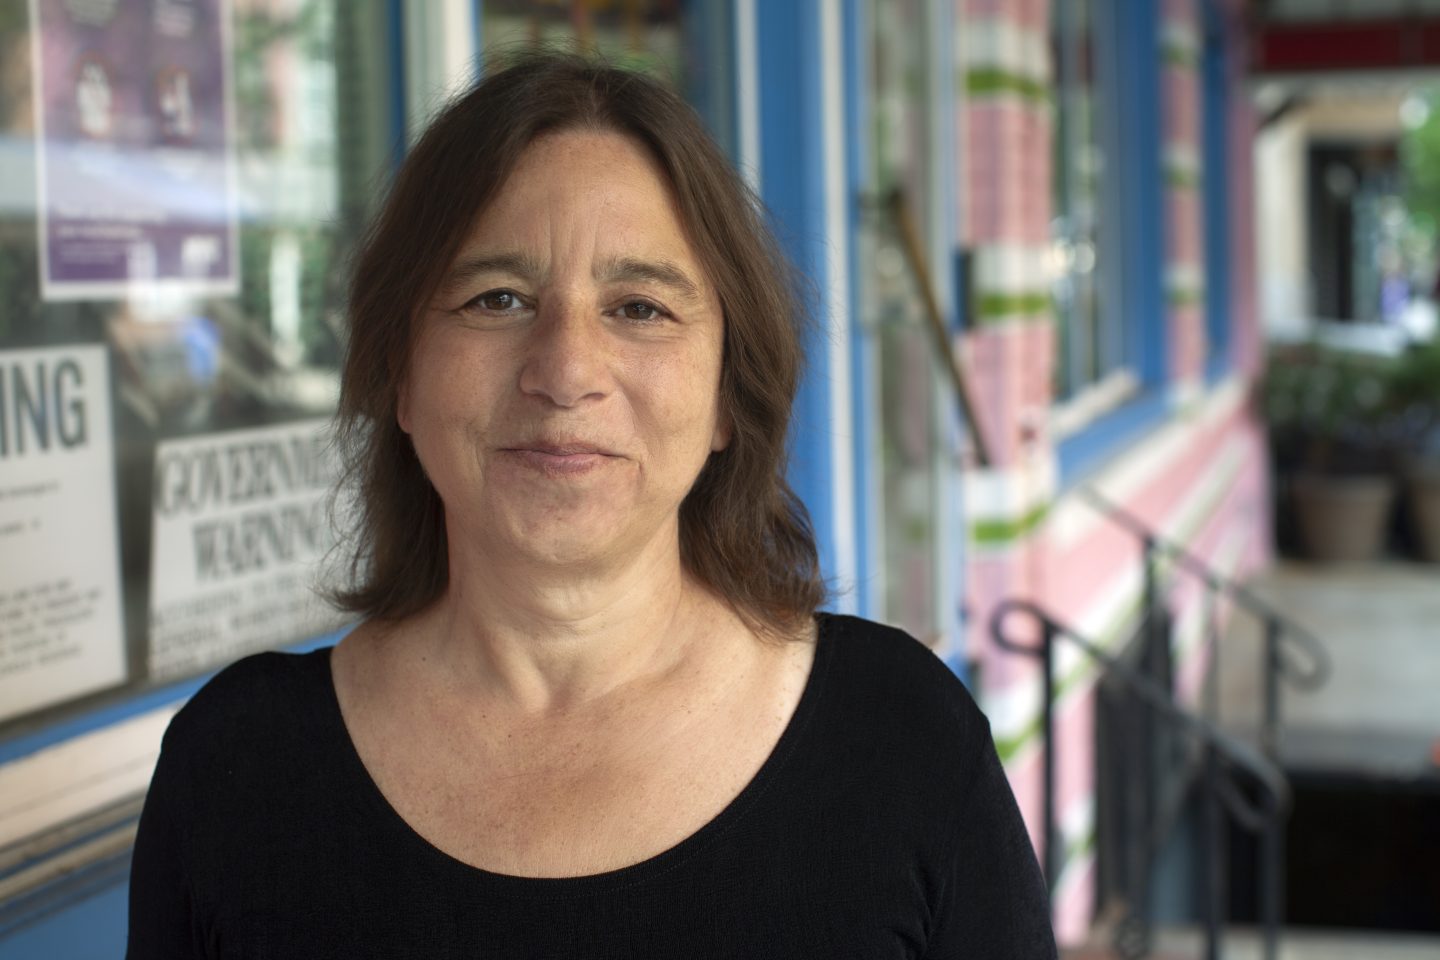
{"type": "Point", "coordinates": [635, 270]}
{"type": "Point", "coordinates": [614, 270]}
{"type": "Point", "coordinates": [521, 265]}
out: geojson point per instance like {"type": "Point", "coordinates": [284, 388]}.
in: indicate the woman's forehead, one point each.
{"type": "Point", "coordinates": [597, 194]}
{"type": "Point", "coordinates": [586, 171]}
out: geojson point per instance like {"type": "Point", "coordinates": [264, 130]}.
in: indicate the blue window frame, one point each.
{"type": "Point", "coordinates": [1216, 92]}
{"type": "Point", "coordinates": [1134, 267]}
{"type": "Point", "coordinates": [800, 56]}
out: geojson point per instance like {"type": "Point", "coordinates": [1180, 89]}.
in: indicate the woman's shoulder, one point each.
{"type": "Point", "coordinates": [889, 680]}
{"type": "Point", "coordinates": [239, 766]}
{"type": "Point", "coordinates": [937, 785]}
{"type": "Point", "coordinates": [870, 638]}
{"type": "Point", "coordinates": [256, 698]}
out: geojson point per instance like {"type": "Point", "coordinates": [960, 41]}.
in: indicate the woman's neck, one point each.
{"type": "Point", "coordinates": [541, 640]}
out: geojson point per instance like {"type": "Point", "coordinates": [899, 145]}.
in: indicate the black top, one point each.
{"type": "Point", "coordinates": [880, 826]}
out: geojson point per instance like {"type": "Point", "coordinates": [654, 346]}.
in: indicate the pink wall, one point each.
{"type": "Point", "coordinates": [1219, 463]}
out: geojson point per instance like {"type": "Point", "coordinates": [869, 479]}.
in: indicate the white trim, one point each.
{"type": "Point", "coordinates": [875, 587]}
{"type": "Point", "coordinates": [1077, 823]}
{"type": "Point", "coordinates": [1182, 393]}
{"type": "Point", "coordinates": [837, 302]}
{"type": "Point", "coordinates": [1067, 884]}
{"type": "Point", "coordinates": [1184, 277]}
{"type": "Point", "coordinates": [747, 98]}
{"type": "Point", "coordinates": [1182, 157]}
{"type": "Point", "coordinates": [80, 775]}
{"type": "Point", "coordinates": [1136, 469]}
{"type": "Point", "coordinates": [1181, 35]}
{"type": "Point", "coordinates": [1092, 402]}
{"type": "Point", "coordinates": [1006, 46]}
{"type": "Point", "coordinates": [440, 57]}
{"type": "Point", "coordinates": [946, 480]}
{"type": "Point", "coordinates": [1012, 268]}
{"type": "Point", "coordinates": [1012, 492]}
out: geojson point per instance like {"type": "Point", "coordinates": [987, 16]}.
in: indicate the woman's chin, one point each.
{"type": "Point", "coordinates": [569, 541]}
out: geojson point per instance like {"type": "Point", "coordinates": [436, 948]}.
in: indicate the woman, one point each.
{"type": "Point", "coordinates": [591, 710]}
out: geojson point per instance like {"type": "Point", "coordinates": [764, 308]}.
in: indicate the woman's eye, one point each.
{"type": "Point", "coordinates": [640, 310]}
{"type": "Point", "coordinates": [496, 300]}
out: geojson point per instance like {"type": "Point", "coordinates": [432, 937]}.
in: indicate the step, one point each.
{"type": "Point", "coordinates": [1240, 943]}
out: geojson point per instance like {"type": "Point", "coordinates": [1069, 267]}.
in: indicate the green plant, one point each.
{"type": "Point", "coordinates": [1415, 395]}
{"type": "Point", "coordinates": [1330, 411]}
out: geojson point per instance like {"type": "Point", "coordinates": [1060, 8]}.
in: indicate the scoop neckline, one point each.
{"type": "Point", "coordinates": [564, 887]}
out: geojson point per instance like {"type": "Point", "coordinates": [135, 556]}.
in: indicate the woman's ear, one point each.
{"type": "Point", "coordinates": [720, 439]}
{"type": "Point", "coordinates": [402, 406]}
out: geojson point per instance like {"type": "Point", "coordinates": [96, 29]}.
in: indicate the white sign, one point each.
{"type": "Point", "coordinates": [241, 523]}
{"type": "Point", "coordinates": [61, 634]}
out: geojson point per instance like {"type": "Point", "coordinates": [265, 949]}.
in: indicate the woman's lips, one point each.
{"type": "Point", "coordinates": [560, 461]}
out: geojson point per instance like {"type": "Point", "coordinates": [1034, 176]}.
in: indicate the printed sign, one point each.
{"type": "Point", "coordinates": [241, 524]}
{"type": "Point", "coordinates": [61, 634]}
{"type": "Point", "coordinates": [136, 173]}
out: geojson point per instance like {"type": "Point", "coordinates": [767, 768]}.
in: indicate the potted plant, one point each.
{"type": "Point", "coordinates": [1331, 415]}
{"type": "Point", "coordinates": [1416, 391]}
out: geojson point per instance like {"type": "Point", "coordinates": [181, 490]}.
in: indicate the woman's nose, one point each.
{"type": "Point", "coordinates": [565, 358]}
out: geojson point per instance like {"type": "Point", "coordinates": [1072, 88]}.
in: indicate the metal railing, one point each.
{"type": "Point", "coordinates": [1221, 754]}
{"type": "Point", "coordinates": [1154, 795]}
{"type": "Point", "coordinates": [1283, 636]}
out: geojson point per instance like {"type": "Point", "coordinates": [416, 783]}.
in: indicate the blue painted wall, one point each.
{"type": "Point", "coordinates": [792, 185]}
{"type": "Point", "coordinates": [90, 929]}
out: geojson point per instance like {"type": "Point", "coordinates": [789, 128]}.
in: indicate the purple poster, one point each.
{"type": "Point", "coordinates": [137, 185]}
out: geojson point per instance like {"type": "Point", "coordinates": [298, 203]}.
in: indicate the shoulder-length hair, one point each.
{"type": "Point", "coordinates": [743, 532]}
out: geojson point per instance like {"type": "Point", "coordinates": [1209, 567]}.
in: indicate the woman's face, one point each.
{"type": "Point", "coordinates": [563, 393]}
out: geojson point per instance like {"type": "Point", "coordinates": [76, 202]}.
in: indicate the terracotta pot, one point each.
{"type": "Point", "coordinates": [1422, 502]}
{"type": "Point", "coordinates": [1342, 519]}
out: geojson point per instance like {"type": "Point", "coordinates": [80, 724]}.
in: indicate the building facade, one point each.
{"type": "Point", "coordinates": [1037, 211]}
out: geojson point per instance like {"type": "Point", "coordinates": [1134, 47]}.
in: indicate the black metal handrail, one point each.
{"type": "Point", "coordinates": [1280, 630]}
{"type": "Point", "coordinates": [1219, 749]}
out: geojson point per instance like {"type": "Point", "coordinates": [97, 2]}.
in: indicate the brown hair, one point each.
{"type": "Point", "coordinates": [743, 532]}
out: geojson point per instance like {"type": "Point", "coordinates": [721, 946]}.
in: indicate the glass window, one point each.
{"type": "Point", "coordinates": [685, 42]}
{"type": "Point", "coordinates": [910, 437]}
{"type": "Point", "coordinates": [181, 185]}
{"type": "Point", "coordinates": [1089, 338]}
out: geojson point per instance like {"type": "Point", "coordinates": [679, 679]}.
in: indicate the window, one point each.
{"type": "Point", "coordinates": [1089, 335]}
{"type": "Point", "coordinates": [687, 44]}
{"type": "Point", "coordinates": [910, 434]}
{"type": "Point", "coordinates": [183, 182]}
{"type": "Point", "coordinates": [1115, 343]}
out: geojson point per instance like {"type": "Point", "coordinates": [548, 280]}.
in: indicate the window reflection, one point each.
{"type": "Point", "coordinates": [909, 433]}
{"type": "Point", "coordinates": [237, 387]}
{"type": "Point", "coordinates": [684, 42]}
{"type": "Point", "coordinates": [1088, 347]}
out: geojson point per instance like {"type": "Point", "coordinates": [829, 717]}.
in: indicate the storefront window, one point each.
{"type": "Point", "coordinates": [182, 182]}
{"type": "Point", "coordinates": [684, 42]}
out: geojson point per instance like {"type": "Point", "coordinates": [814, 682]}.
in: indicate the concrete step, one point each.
{"type": "Point", "coordinates": [1295, 944]}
